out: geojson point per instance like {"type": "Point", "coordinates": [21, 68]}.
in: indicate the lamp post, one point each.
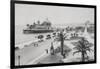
{"type": "Point", "coordinates": [19, 60]}
{"type": "Point", "coordinates": [52, 49]}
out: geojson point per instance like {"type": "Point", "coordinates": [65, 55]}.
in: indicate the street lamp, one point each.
{"type": "Point", "coordinates": [52, 49]}
{"type": "Point", "coordinates": [19, 60]}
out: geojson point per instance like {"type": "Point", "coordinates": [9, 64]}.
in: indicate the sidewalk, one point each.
{"type": "Point", "coordinates": [35, 61]}
{"type": "Point", "coordinates": [51, 59]}
{"type": "Point", "coordinates": [31, 53]}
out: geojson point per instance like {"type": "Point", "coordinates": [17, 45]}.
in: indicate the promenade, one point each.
{"type": "Point", "coordinates": [27, 54]}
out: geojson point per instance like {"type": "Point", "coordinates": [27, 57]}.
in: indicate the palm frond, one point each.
{"type": "Point", "coordinates": [85, 52]}
{"type": "Point", "coordinates": [81, 44]}
{"type": "Point", "coordinates": [64, 34]}
{"type": "Point", "coordinates": [89, 45]}
{"type": "Point", "coordinates": [76, 52]}
{"type": "Point", "coordinates": [65, 37]}
{"type": "Point", "coordinates": [78, 48]}
{"type": "Point", "coordinates": [88, 49]}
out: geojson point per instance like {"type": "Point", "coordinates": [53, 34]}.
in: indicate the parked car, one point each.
{"type": "Point", "coordinates": [41, 38]}
{"type": "Point", "coordinates": [48, 36]}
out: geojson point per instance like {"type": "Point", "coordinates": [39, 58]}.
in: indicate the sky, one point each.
{"type": "Point", "coordinates": [27, 14]}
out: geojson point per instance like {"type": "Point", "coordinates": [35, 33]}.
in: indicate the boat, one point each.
{"type": "Point", "coordinates": [38, 27]}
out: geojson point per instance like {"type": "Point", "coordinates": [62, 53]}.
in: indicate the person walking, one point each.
{"type": "Point", "coordinates": [47, 51]}
{"type": "Point", "coordinates": [35, 45]}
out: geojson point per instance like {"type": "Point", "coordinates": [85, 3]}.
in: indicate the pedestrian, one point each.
{"type": "Point", "coordinates": [64, 56]}
{"type": "Point", "coordinates": [35, 44]}
{"type": "Point", "coordinates": [47, 51]}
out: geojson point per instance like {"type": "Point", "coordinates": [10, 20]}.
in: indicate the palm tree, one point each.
{"type": "Point", "coordinates": [61, 37]}
{"type": "Point", "coordinates": [66, 50]}
{"type": "Point", "coordinates": [83, 46]}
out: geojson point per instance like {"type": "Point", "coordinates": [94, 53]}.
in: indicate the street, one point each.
{"type": "Point", "coordinates": [30, 53]}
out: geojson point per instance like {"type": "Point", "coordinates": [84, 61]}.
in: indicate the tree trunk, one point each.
{"type": "Point", "coordinates": [18, 60]}
{"type": "Point", "coordinates": [62, 43]}
{"type": "Point", "coordinates": [83, 56]}
{"type": "Point", "coordinates": [83, 51]}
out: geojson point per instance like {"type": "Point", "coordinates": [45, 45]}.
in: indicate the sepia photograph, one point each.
{"type": "Point", "coordinates": [47, 34]}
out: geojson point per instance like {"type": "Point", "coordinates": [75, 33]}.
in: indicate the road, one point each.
{"type": "Point", "coordinates": [30, 53]}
